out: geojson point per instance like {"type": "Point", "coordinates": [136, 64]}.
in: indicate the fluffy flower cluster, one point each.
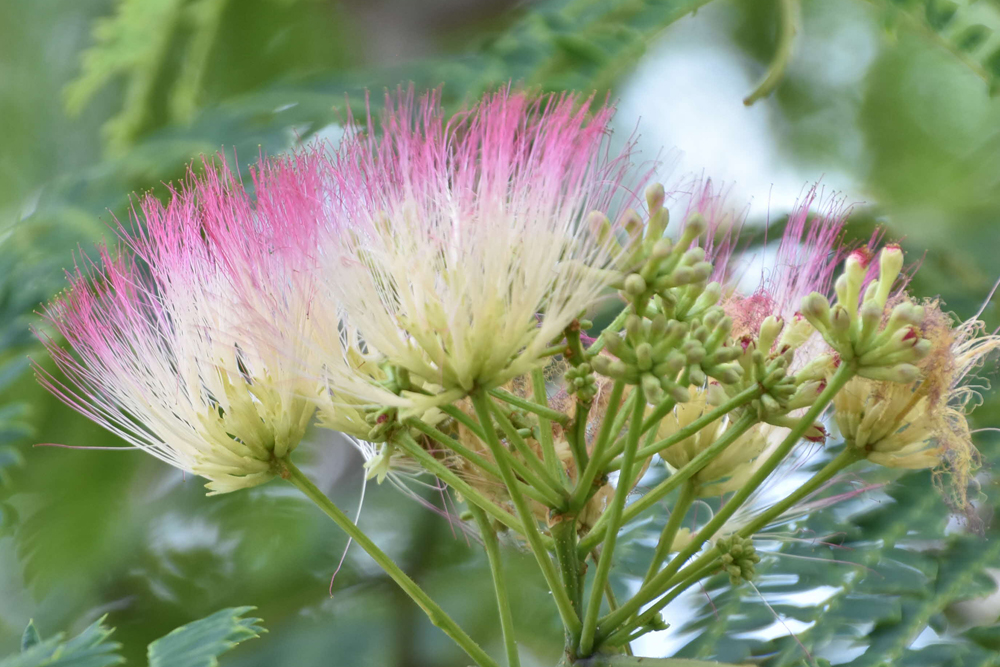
{"type": "Point", "coordinates": [168, 355]}
{"type": "Point", "coordinates": [402, 268]}
{"type": "Point", "coordinates": [426, 259]}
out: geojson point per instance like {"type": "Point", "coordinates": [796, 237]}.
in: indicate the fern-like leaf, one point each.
{"type": "Point", "coordinates": [91, 648]}
{"type": "Point", "coordinates": [199, 644]}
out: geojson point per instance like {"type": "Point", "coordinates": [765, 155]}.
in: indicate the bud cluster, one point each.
{"type": "Point", "coordinates": [739, 558]}
{"type": "Point", "coordinates": [883, 342]}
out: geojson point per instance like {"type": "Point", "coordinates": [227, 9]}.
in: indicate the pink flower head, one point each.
{"type": "Point", "coordinates": [467, 253]}
{"type": "Point", "coordinates": [162, 356]}
{"type": "Point", "coordinates": [805, 260]}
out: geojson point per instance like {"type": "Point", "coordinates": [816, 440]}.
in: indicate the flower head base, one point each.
{"type": "Point", "coordinates": [468, 254]}
{"type": "Point", "coordinates": [922, 423]}
{"type": "Point", "coordinates": [162, 356]}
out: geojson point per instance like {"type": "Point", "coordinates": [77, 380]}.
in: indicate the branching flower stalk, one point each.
{"type": "Point", "coordinates": [423, 288]}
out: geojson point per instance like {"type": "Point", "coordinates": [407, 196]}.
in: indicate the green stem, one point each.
{"type": "Point", "coordinates": [737, 401]}
{"type": "Point", "coordinates": [609, 595]}
{"type": "Point", "coordinates": [540, 476]}
{"type": "Point", "coordinates": [465, 420]}
{"type": "Point", "coordinates": [449, 477]}
{"type": "Point", "coordinates": [645, 594]}
{"type": "Point", "coordinates": [531, 406]}
{"type": "Point", "coordinates": [482, 462]}
{"type": "Point", "coordinates": [639, 626]}
{"type": "Point", "coordinates": [664, 488]}
{"type": "Point", "coordinates": [612, 328]}
{"type": "Point", "coordinates": [436, 615]}
{"type": "Point", "coordinates": [825, 474]}
{"type": "Point", "coordinates": [616, 448]}
{"type": "Point", "coordinates": [614, 512]}
{"type": "Point", "coordinates": [570, 620]}
{"type": "Point", "coordinates": [538, 489]}
{"type": "Point", "coordinates": [492, 547]}
{"type": "Point", "coordinates": [585, 482]}
{"type": "Point", "coordinates": [545, 428]}
{"type": "Point", "coordinates": [841, 461]}
{"type": "Point", "coordinates": [689, 491]}
{"type": "Point", "coordinates": [578, 436]}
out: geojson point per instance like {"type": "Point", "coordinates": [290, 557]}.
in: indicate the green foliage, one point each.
{"type": "Point", "coordinates": [969, 29]}
{"type": "Point", "coordinates": [163, 52]}
{"type": "Point", "coordinates": [199, 644]}
{"type": "Point", "coordinates": [91, 648]}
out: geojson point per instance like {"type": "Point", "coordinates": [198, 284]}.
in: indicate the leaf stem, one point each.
{"type": "Point", "coordinates": [662, 489]}
{"type": "Point", "coordinates": [585, 482]}
{"type": "Point", "coordinates": [545, 428]}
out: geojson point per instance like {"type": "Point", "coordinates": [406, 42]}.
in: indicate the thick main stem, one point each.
{"type": "Point", "coordinates": [492, 547]}
{"type": "Point", "coordinates": [434, 612]}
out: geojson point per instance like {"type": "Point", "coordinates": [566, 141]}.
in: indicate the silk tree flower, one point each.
{"type": "Point", "coordinates": [467, 253]}
{"type": "Point", "coordinates": [160, 355]}
{"type": "Point", "coordinates": [923, 423]}
{"type": "Point", "coordinates": [805, 261]}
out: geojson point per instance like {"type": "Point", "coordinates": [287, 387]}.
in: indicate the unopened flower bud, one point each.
{"type": "Point", "coordinates": [796, 333]}
{"type": "Point", "coordinates": [693, 351]}
{"type": "Point", "coordinates": [770, 329]}
{"type": "Point", "coordinates": [631, 223]}
{"type": "Point", "coordinates": [644, 356]}
{"type": "Point", "coordinates": [599, 226]}
{"type": "Point", "coordinates": [840, 321]}
{"type": "Point", "coordinates": [655, 196]}
{"type": "Point", "coordinates": [904, 373]}
{"type": "Point", "coordinates": [661, 249]}
{"type": "Point", "coordinates": [695, 225]}
{"type": "Point", "coordinates": [652, 388]}
{"type": "Point", "coordinates": [816, 308]}
{"type": "Point", "coordinates": [658, 327]}
{"type": "Point", "coordinates": [708, 298]}
{"type": "Point", "coordinates": [728, 373]}
{"type": "Point", "coordinates": [683, 275]}
{"type": "Point", "coordinates": [635, 285]}
{"type": "Point", "coordinates": [890, 265]}
{"type": "Point", "coordinates": [701, 271]}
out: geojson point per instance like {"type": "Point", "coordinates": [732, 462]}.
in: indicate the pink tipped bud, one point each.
{"type": "Point", "coordinates": [860, 258]}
